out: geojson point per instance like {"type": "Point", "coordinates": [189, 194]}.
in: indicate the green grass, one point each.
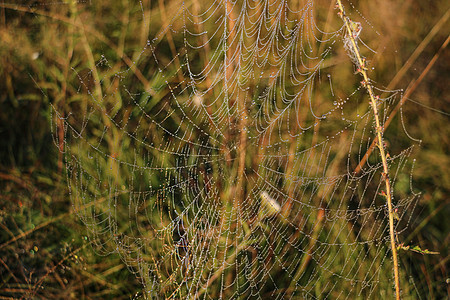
{"type": "Point", "coordinates": [45, 249]}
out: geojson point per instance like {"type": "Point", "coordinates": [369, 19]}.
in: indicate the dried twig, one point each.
{"type": "Point", "coordinates": [353, 30]}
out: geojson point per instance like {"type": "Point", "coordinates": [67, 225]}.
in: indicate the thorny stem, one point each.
{"type": "Point", "coordinates": [379, 131]}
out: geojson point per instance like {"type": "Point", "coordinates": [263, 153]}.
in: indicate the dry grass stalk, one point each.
{"type": "Point", "coordinates": [350, 39]}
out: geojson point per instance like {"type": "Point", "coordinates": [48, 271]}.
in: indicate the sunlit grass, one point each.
{"type": "Point", "coordinates": [45, 53]}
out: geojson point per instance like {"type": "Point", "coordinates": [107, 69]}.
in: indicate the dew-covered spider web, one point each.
{"type": "Point", "coordinates": [218, 160]}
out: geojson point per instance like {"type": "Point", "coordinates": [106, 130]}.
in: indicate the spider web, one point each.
{"type": "Point", "coordinates": [219, 162]}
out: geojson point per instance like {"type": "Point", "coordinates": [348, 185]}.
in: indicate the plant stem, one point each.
{"type": "Point", "coordinates": [409, 90]}
{"type": "Point", "coordinates": [379, 131]}
{"type": "Point", "coordinates": [220, 270]}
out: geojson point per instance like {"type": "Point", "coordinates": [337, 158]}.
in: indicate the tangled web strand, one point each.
{"type": "Point", "coordinates": [227, 172]}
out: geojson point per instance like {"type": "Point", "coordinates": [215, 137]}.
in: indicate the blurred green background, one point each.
{"type": "Point", "coordinates": [44, 252]}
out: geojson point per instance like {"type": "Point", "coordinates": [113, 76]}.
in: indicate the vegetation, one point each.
{"type": "Point", "coordinates": [45, 50]}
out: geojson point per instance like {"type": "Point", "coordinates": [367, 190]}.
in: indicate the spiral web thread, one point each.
{"type": "Point", "coordinates": [219, 162]}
